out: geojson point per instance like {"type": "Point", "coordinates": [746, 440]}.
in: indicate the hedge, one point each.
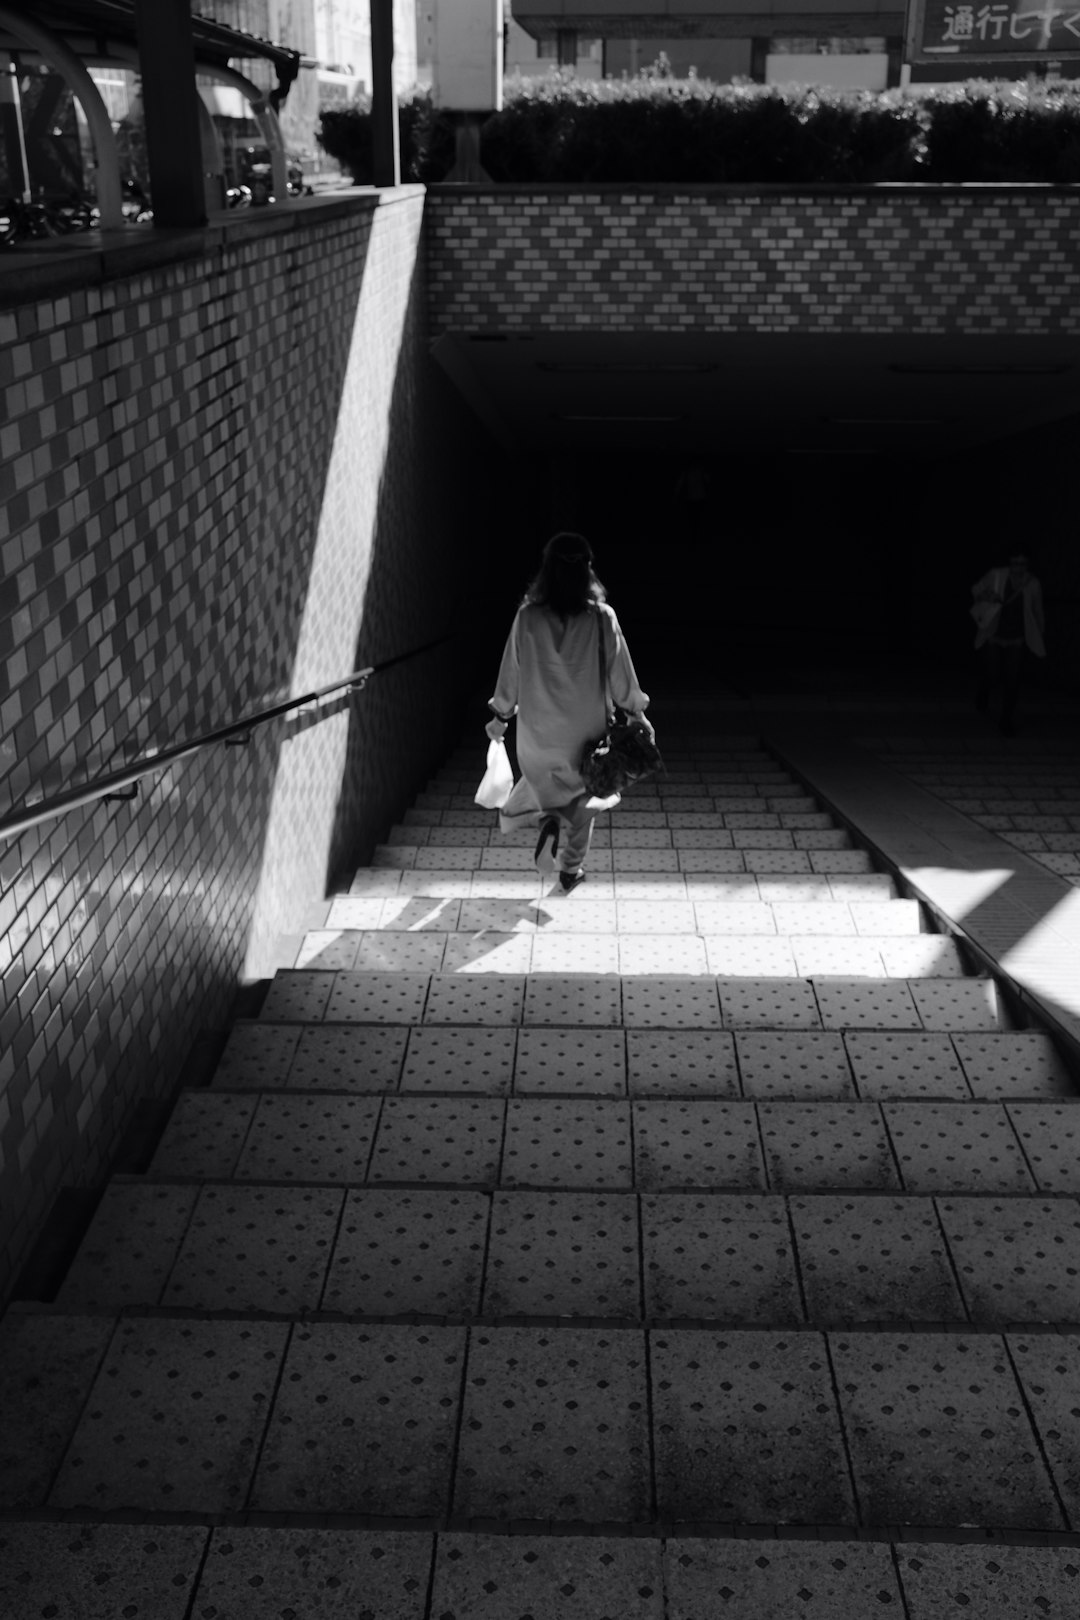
{"type": "Point", "coordinates": [651, 128]}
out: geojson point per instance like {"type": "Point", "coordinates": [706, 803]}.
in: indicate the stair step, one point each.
{"type": "Point", "coordinates": [617, 1144]}
{"type": "Point", "coordinates": [609, 1426]}
{"type": "Point", "coordinates": [769, 1260]}
{"type": "Point", "coordinates": [670, 1000]}
{"type": "Point", "coordinates": [406, 887]}
{"type": "Point", "coordinates": [764, 1063]}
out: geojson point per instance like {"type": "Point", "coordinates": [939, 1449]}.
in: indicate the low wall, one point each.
{"type": "Point", "coordinates": [225, 479]}
{"type": "Point", "coordinates": [927, 259]}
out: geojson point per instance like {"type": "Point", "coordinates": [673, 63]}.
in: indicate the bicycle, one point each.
{"type": "Point", "coordinates": [23, 221]}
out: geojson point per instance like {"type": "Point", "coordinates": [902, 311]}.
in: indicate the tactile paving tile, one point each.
{"type": "Point", "coordinates": [865, 1004]}
{"type": "Point", "coordinates": [573, 999]}
{"type": "Point", "coordinates": [666, 1002]}
{"type": "Point", "coordinates": [771, 862]}
{"type": "Point", "coordinates": [713, 861]}
{"type": "Point", "coordinates": [415, 913]}
{"type": "Point", "coordinates": [47, 1367]}
{"type": "Point", "coordinates": [956, 1148]}
{"type": "Point", "coordinates": [662, 953]}
{"type": "Point", "coordinates": [660, 886]}
{"type": "Point", "coordinates": [474, 999]}
{"type": "Point", "coordinates": [317, 1138]}
{"type": "Point", "coordinates": [464, 857]}
{"type": "Point", "coordinates": [555, 1426]}
{"type": "Point", "coordinates": [696, 1144]}
{"type": "Point", "coordinates": [437, 884]}
{"type": "Point", "coordinates": [840, 958]}
{"type": "Point", "coordinates": [94, 1571]}
{"type": "Point", "coordinates": [499, 916]}
{"type": "Point", "coordinates": [586, 1061]}
{"type": "Point", "coordinates": [265, 1574]}
{"type": "Point", "coordinates": [563, 915]}
{"type": "Point", "coordinates": [346, 1057]}
{"type": "Point", "coordinates": [523, 886]}
{"type": "Point", "coordinates": [1017, 1258]}
{"type": "Point", "coordinates": [767, 1580]}
{"type": "Point", "coordinates": [204, 1135]}
{"type": "Point", "coordinates": [861, 887]}
{"type": "Point", "coordinates": [747, 1429]}
{"type": "Point", "coordinates": [649, 860]}
{"type": "Point", "coordinates": [1013, 1063]}
{"type": "Point", "coordinates": [792, 1063]}
{"type": "Point", "coordinates": [836, 860]}
{"type": "Point", "coordinates": [719, 889]}
{"type": "Point", "coordinates": [931, 956]}
{"type": "Point", "coordinates": [1048, 1366]}
{"type": "Point", "coordinates": [377, 998]}
{"type": "Point", "coordinates": [882, 917]}
{"type": "Point", "coordinates": [297, 995]}
{"type": "Point", "coordinates": [664, 1063]}
{"type": "Point", "coordinates": [800, 888]}
{"type": "Point", "coordinates": [256, 1249]}
{"type": "Point", "coordinates": [873, 1259]}
{"type": "Point", "coordinates": [547, 1577]}
{"type": "Point", "coordinates": [1050, 1137]}
{"type": "Point", "coordinates": [328, 948]}
{"type": "Point", "coordinates": [128, 1251]}
{"type": "Point", "coordinates": [563, 1254]}
{"type": "Point", "coordinates": [552, 1143]}
{"type": "Point", "coordinates": [734, 917]}
{"type": "Point", "coordinates": [175, 1417]}
{"type": "Point", "coordinates": [750, 956]}
{"type": "Point", "coordinates": [368, 882]}
{"type": "Point", "coordinates": [257, 1055]}
{"type": "Point", "coordinates": [456, 1140]}
{"type": "Point", "coordinates": [719, 1257]}
{"type": "Point", "coordinates": [363, 1422]}
{"type": "Point", "coordinates": [938, 1434]}
{"type": "Point", "coordinates": [392, 952]}
{"type": "Point", "coordinates": [488, 953]}
{"type": "Point", "coordinates": [908, 1065]}
{"type": "Point", "coordinates": [399, 1252]}
{"type": "Point", "coordinates": [825, 1145]}
{"type": "Point", "coordinates": [705, 835]}
{"type": "Point", "coordinates": [558, 953]}
{"type": "Point", "coordinates": [473, 1059]}
{"type": "Point", "coordinates": [957, 1004]}
{"type": "Point", "coordinates": [990, 1582]}
{"type": "Point", "coordinates": [655, 916]}
{"type": "Point", "coordinates": [772, 1004]}
{"type": "Point", "coordinates": [808, 918]}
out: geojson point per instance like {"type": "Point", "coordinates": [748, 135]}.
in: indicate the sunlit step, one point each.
{"type": "Point", "coordinates": [539, 951]}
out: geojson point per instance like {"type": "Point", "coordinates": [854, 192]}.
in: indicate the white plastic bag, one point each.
{"type": "Point", "coordinates": [494, 790]}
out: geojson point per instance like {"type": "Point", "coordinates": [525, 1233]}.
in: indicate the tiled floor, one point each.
{"type": "Point", "coordinates": [712, 1209]}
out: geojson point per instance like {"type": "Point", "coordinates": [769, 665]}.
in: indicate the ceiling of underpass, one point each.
{"type": "Point", "coordinates": [913, 396]}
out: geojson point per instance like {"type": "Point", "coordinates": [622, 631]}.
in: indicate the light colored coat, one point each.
{"type": "Point", "coordinates": [989, 593]}
{"type": "Point", "coordinates": [550, 678]}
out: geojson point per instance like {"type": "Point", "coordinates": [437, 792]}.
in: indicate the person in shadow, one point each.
{"type": "Point", "coordinates": [1008, 612]}
{"type": "Point", "coordinates": [550, 678]}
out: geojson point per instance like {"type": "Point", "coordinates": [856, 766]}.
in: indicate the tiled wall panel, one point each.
{"type": "Point", "coordinates": [224, 481]}
{"type": "Point", "coordinates": [973, 259]}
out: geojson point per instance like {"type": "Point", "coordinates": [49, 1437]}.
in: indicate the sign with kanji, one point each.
{"type": "Point", "coordinates": [1000, 31]}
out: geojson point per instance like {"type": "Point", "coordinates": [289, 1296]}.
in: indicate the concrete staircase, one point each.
{"type": "Point", "coordinates": [701, 1243]}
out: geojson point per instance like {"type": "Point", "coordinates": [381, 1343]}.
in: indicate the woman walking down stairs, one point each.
{"type": "Point", "coordinates": [697, 1243]}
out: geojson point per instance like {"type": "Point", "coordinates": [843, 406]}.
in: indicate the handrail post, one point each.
{"type": "Point", "coordinates": [173, 141]}
{"type": "Point", "coordinates": [385, 142]}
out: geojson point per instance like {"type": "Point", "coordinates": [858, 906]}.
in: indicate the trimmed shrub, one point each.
{"type": "Point", "coordinates": [656, 129]}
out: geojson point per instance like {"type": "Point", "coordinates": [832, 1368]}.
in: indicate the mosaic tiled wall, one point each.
{"type": "Point", "coordinates": [224, 481]}
{"type": "Point", "coordinates": [880, 260]}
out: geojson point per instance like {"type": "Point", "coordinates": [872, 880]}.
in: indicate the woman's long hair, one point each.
{"type": "Point", "coordinates": [566, 581]}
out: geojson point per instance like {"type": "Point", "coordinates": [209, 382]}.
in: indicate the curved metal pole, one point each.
{"type": "Point", "coordinates": [72, 70]}
{"type": "Point", "coordinates": [267, 120]}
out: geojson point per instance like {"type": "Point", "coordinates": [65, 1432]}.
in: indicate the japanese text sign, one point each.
{"type": "Point", "coordinates": [993, 31]}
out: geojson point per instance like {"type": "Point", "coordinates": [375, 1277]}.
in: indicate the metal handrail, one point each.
{"type": "Point", "coordinates": [112, 784]}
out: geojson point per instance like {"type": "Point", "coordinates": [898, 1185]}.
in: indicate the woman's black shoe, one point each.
{"type": "Point", "coordinates": [570, 880]}
{"type": "Point", "coordinates": [545, 857]}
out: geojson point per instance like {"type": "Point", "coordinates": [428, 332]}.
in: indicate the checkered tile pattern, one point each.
{"type": "Point", "coordinates": [201, 515]}
{"type": "Point", "coordinates": [667, 260]}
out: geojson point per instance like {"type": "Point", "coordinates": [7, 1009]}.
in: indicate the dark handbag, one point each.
{"type": "Point", "coordinates": [625, 754]}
